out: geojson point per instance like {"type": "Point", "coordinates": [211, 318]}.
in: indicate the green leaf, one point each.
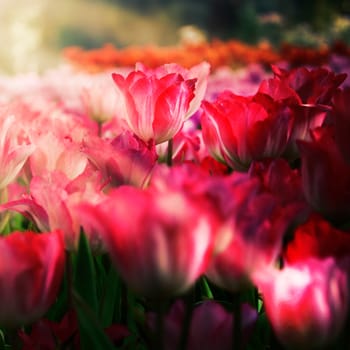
{"type": "Point", "coordinates": [59, 308]}
{"type": "Point", "coordinates": [3, 345]}
{"type": "Point", "coordinates": [111, 298]}
{"type": "Point", "coordinates": [92, 335]}
{"type": "Point", "coordinates": [85, 274]}
{"type": "Point", "coordinates": [205, 289]}
{"type": "Point", "coordinates": [18, 222]}
{"type": "Point", "coordinates": [101, 273]}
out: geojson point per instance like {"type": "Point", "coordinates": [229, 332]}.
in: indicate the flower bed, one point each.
{"type": "Point", "coordinates": [218, 53]}
{"type": "Point", "coordinates": [175, 207]}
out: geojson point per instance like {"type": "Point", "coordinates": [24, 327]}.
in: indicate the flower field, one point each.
{"type": "Point", "coordinates": [185, 198]}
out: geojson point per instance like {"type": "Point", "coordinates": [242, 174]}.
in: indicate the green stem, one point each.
{"type": "Point", "coordinates": [186, 321]}
{"type": "Point", "coordinates": [169, 159]}
{"type": "Point", "coordinates": [159, 332]}
{"type": "Point", "coordinates": [236, 322]}
{"type": "Point", "coordinates": [123, 303]}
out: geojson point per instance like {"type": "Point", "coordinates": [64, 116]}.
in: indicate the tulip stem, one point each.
{"type": "Point", "coordinates": [123, 303]}
{"type": "Point", "coordinates": [159, 334]}
{"type": "Point", "coordinates": [182, 345]}
{"type": "Point", "coordinates": [5, 216]}
{"type": "Point", "coordinates": [236, 322]}
{"type": "Point", "coordinates": [205, 289]}
{"type": "Point", "coordinates": [169, 159]}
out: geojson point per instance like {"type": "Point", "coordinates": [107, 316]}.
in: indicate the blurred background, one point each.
{"type": "Point", "coordinates": [33, 33]}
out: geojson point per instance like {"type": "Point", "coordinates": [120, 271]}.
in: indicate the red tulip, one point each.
{"type": "Point", "coordinates": [306, 94]}
{"type": "Point", "coordinates": [325, 175]}
{"type": "Point", "coordinates": [315, 86]}
{"type": "Point", "coordinates": [237, 130]}
{"type": "Point", "coordinates": [317, 238]}
{"type": "Point", "coordinates": [31, 272]}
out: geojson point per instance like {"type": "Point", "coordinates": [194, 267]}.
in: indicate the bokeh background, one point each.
{"type": "Point", "coordinates": [33, 33]}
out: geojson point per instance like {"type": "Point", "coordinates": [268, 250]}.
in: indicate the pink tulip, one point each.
{"type": "Point", "coordinates": [154, 107]}
{"type": "Point", "coordinates": [98, 98]}
{"type": "Point", "coordinates": [31, 272]}
{"type": "Point", "coordinates": [160, 242]}
{"type": "Point", "coordinates": [13, 152]}
{"type": "Point", "coordinates": [54, 153]}
{"type": "Point", "coordinates": [200, 73]}
{"type": "Point", "coordinates": [124, 160]}
{"type": "Point", "coordinates": [306, 303]}
{"type": "Point", "coordinates": [52, 204]}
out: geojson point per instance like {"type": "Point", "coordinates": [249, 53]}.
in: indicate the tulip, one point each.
{"type": "Point", "coordinates": [306, 303]}
{"type": "Point", "coordinates": [317, 238]}
{"type": "Point", "coordinates": [154, 108]}
{"type": "Point", "coordinates": [98, 98]}
{"type": "Point", "coordinates": [52, 202]}
{"type": "Point", "coordinates": [13, 153]}
{"type": "Point", "coordinates": [200, 73]}
{"type": "Point", "coordinates": [325, 175]}
{"type": "Point", "coordinates": [314, 86]}
{"type": "Point", "coordinates": [306, 94]}
{"type": "Point", "coordinates": [237, 130]}
{"type": "Point", "coordinates": [31, 273]}
{"type": "Point", "coordinates": [57, 152]}
{"type": "Point", "coordinates": [160, 242]}
{"type": "Point", "coordinates": [124, 160]}
{"type": "Point", "coordinates": [252, 241]}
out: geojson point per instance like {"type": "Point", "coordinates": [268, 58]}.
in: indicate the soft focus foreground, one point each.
{"type": "Point", "coordinates": [175, 206]}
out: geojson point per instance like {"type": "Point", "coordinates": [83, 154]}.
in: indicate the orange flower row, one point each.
{"type": "Point", "coordinates": [217, 53]}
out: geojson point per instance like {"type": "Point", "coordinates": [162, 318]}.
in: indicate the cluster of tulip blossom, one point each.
{"type": "Point", "coordinates": [144, 209]}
